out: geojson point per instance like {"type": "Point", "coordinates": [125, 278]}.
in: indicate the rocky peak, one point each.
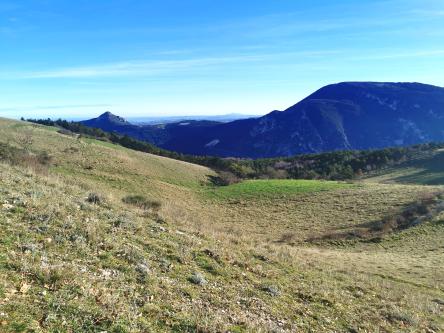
{"type": "Point", "coordinates": [110, 117]}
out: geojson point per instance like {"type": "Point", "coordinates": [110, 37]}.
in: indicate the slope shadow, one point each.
{"type": "Point", "coordinates": [430, 171]}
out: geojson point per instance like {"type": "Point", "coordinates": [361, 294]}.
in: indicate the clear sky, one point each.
{"type": "Point", "coordinates": [175, 57]}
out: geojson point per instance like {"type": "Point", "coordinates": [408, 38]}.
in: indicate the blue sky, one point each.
{"type": "Point", "coordinates": [134, 58]}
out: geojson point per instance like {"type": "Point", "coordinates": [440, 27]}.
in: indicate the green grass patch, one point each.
{"type": "Point", "coordinates": [273, 188]}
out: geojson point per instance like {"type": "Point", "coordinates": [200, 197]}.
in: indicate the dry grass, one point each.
{"type": "Point", "coordinates": [70, 265]}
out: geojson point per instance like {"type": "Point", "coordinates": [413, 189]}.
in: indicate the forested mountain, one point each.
{"type": "Point", "coordinates": [349, 115]}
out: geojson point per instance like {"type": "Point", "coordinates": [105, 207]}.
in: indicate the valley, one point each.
{"type": "Point", "coordinates": [97, 237]}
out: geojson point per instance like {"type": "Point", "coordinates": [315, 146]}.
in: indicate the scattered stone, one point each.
{"type": "Point", "coordinates": [159, 228]}
{"type": "Point", "coordinates": [29, 248]}
{"type": "Point", "coordinates": [108, 273]}
{"type": "Point", "coordinates": [272, 290]}
{"type": "Point", "coordinates": [143, 269]}
{"type": "Point", "coordinates": [7, 206]}
{"type": "Point", "coordinates": [17, 201]}
{"type": "Point", "coordinates": [24, 288]}
{"type": "Point", "coordinates": [197, 278]}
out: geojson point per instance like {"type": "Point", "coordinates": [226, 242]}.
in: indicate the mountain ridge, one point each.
{"type": "Point", "coordinates": [341, 116]}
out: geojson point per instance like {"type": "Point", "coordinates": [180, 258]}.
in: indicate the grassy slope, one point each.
{"type": "Point", "coordinates": [66, 265]}
{"type": "Point", "coordinates": [273, 188]}
{"type": "Point", "coordinates": [426, 170]}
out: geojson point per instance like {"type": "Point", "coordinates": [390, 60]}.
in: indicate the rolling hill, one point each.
{"type": "Point", "coordinates": [96, 237]}
{"type": "Point", "coordinates": [349, 115]}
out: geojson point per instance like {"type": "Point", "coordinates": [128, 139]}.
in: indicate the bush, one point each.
{"type": "Point", "coordinates": [225, 178]}
{"type": "Point", "coordinates": [44, 158]}
{"type": "Point", "coordinates": [94, 198]}
{"type": "Point", "coordinates": [25, 158]}
{"type": "Point", "coordinates": [142, 202]}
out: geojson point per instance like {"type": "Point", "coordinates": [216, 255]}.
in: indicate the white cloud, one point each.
{"type": "Point", "coordinates": [157, 67]}
{"type": "Point", "coordinates": [51, 107]}
{"type": "Point", "coordinates": [136, 68]}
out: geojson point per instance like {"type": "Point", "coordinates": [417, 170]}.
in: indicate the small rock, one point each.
{"type": "Point", "coordinates": [159, 229]}
{"type": "Point", "coordinates": [272, 290]}
{"type": "Point", "coordinates": [29, 248]}
{"type": "Point", "coordinates": [197, 278]}
{"type": "Point", "coordinates": [143, 268]}
{"type": "Point", "coordinates": [108, 273]}
{"type": "Point", "coordinates": [24, 288]}
{"type": "Point", "coordinates": [7, 206]}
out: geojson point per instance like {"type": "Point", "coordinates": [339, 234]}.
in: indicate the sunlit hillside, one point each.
{"type": "Point", "coordinates": [95, 237]}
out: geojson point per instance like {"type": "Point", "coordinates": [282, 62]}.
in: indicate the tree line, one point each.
{"type": "Point", "coordinates": [337, 165]}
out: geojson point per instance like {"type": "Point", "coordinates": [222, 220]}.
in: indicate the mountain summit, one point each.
{"type": "Point", "coordinates": [347, 115]}
{"type": "Point", "coordinates": [108, 116]}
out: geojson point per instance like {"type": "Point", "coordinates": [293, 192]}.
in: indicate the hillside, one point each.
{"type": "Point", "coordinates": [348, 115]}
{"type": "Point", "coordinates": [95, 237]}
{"type": "Point", "coordinates": [425, 169]}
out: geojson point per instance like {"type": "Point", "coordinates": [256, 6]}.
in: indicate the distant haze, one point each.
{"type": "Point", "coordinates": [171, 119]}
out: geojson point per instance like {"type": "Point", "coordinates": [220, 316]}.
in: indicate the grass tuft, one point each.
{"type": "Point", "coordinates": [142, 202]}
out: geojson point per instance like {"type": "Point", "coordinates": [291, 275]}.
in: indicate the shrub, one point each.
{"type": "Point", "coordinates": [225, 178]}
{"type": "Point", "coordinates": [142, 202]}
{"type": "Point", "coordinates": [94, 198]}
{"type": "Point", "coordinates": [44, 158]}
{"type": "Point", "coordinates": [25, 158]}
